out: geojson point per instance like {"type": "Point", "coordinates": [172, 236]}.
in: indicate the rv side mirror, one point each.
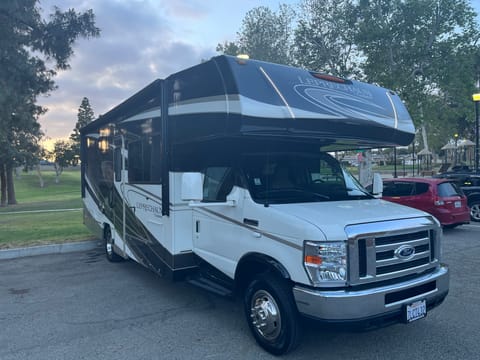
{"type": "Point", "coordinates": [192, 186]}
{"type": "Point", "coordinates": [377, 188]}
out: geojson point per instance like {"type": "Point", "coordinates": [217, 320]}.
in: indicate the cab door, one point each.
{"type": "Point", "coordinates": [217, 226]}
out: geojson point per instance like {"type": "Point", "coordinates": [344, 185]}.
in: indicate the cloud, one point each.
{"type": "Point", "coordinates": [140, 41]}
{"type": "Point", "coordinates": [186, 9]}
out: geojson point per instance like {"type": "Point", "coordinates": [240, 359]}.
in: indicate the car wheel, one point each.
{"type": "Point", "coordinates": [108, 243]}
{"type": "Point", "coordinates": [475, 211]}
{"type": "Point", "coordinates": [272, 314]}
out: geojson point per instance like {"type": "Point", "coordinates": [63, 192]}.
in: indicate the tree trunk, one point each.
{"type": "Point", "coordinates": [3, 186]}
{"type": "Point", "coordinates": [18, 172]}
{"type": "Point", "coordinates": [424, 129]}
{"type": "Point", "coordinates": [40, 177]}
{"type": "Point", "coordinates": [10, 185]}
{"type": "Point", "coordinates": [58, 172]}
{"type": "Point", "coordinates": [424, 137]}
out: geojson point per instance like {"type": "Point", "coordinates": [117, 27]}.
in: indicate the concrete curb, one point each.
{"type": "Point", "coordinates": [49, 249]}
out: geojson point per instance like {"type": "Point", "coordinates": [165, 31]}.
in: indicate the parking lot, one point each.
{"type": "Point", "coordinates": [79, 306]}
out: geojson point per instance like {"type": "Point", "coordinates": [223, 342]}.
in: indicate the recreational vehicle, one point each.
{"type": "Point", "coordinates": [222, 175]}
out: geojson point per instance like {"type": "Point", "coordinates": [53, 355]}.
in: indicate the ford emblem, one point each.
{"type": "Point", "coordinates": [405, 252]}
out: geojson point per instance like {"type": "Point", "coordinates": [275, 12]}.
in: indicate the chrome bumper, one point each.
{"type": "Point", "coordinates": [384, 301]}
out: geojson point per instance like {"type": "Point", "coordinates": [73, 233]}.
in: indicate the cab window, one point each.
{"type": "Point", "coordinates": [217, 184]}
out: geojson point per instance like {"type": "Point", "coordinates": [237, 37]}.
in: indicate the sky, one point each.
{"type": "Point", "coordinates": [140, 41]}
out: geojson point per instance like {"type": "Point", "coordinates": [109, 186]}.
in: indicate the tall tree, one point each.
{"type": "Point", "coordinates": [64, 156]}
{"type": "Point", "coordinates": [31, 50]}
{"type": "Point", "coordinates": [264, 35]}
{"type": "Point", "coordinates": [424, 50]}
{"type": "Point", "coordinates": [228, 48]}
{"type": "Point", "coordinates": [325, 37]}
{"type": "Point", "coordinates": [85, 116]}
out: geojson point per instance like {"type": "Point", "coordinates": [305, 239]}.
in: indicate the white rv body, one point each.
{"type": "Point", "coordinates": [232, 188]}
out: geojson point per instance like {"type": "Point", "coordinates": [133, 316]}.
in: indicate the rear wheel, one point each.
{"type": "Point", "coordinates": [272, 314]}
{"type": "Point", "coordinates": [108, 243]}
{"type": "Point", "coordinates": [475, 211]}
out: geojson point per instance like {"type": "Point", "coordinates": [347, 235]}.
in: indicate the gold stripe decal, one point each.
{"type": "Point", "coordinates": [263, 233]}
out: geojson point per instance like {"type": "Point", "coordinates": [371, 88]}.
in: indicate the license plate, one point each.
{"type": "Point", "coordinates": [458, 204]}
{"type": "Point", "coordinates": [416, 311]}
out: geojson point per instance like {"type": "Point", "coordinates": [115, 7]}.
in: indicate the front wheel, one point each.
{"type": "Point", "coordinates": [475, 211]}
{"type": "Point", "coordinates": [272, 314]}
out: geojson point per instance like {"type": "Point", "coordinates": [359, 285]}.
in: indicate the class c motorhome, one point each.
{"type": "Point", "coordinates": [221, 175]}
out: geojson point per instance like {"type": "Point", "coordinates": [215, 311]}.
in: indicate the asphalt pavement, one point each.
{"type": "Point", "coordinates": [77, 305]}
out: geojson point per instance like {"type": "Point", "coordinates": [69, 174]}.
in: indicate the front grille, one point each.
{"type": "Point", "coordinates": [386, 250]}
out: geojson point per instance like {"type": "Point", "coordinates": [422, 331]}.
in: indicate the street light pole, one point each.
{"type": "Point", "coordinates": [476, 99]}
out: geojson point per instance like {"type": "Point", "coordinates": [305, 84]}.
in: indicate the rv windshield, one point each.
{"type": "Point", "coordinates": [283, 178]}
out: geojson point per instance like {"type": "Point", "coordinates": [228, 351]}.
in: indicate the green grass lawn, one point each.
{"type": "Point", "coordinates": [19, 227]}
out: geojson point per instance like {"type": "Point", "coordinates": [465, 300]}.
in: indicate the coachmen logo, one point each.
{"type": "Point", "coordinates": [405, 252]}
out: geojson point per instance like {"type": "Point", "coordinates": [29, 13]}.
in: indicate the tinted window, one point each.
{"type": "Point", "coordinates": [217, 184]}
{"type": "Point", "coordinates": [404, 188]}
{"type": "Point", "coordinates": [394, 188]}
{"type": "Point", "coordinates": [421, 188]}
{"type": "Point", "coordinates": [99, 161]}
{"type": "Point", "coordinates": [144, 160]}
{"type": "Point", "coordinates": [447, 189]}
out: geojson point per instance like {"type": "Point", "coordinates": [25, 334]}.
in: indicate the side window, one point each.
{"type": "Point", "coordinates": [421, 188]}
{"type": "Point", "coordinates": [144, 160]}
{"type": "Point", "coordinates": [138, 161]}
{"type": "Point", "coordinates": [99, 161]}
{"type": "Point", "coordinates": [398, 188]}
{"type": "Point", "coordinates": [217, 184]}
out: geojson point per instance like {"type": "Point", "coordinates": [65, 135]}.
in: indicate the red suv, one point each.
{"type": "Point", "coordinates": [440, 197]}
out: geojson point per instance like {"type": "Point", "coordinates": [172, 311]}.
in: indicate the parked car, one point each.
{"type": "Point", "coordinates": [469, 182]}
{"type": "Point", "coordinates": [440, 197]}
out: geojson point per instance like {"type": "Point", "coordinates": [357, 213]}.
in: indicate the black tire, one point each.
{"type": "Point", "coordinates": [475, 211]}
{"type": "Point", "coordinates": [108, 244]}
{"type": "Point", "coordinates": [269, 299]}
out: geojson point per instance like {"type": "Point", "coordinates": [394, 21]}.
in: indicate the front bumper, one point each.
{"type": "Point", "coordinates": [380, 303]}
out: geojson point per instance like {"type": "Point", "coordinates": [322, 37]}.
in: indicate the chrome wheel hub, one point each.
{"type": "Point", "coordinates": [265, 315]}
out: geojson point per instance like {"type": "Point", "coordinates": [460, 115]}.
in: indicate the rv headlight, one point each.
{"type": "Point", "coordinates": [326, 263]}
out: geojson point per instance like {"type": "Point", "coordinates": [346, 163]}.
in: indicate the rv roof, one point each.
{"type": "Point", "coordinates": [228, 97]}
